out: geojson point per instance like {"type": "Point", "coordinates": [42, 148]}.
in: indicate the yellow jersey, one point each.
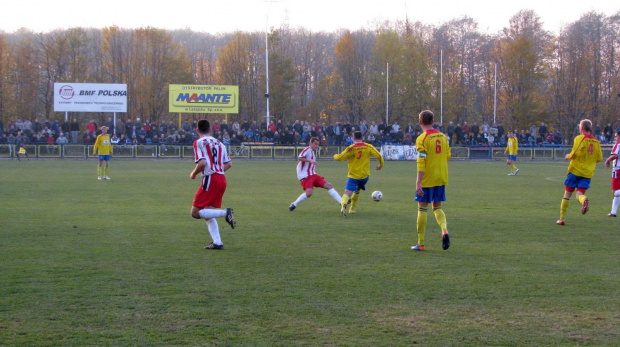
{"type": "Point", "coordinates": [433, 155]}
{"type": "Point", "coordinates": [358, 156]}
{"type": "Point", "coordinates": [585, 154]}
{"type": "Point", "coordinates": [512, 146]}
{"type": "Point", "coordinates": [103, 146]}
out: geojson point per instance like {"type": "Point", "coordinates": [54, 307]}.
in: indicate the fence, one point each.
{"type": "Point", "coordinates": [267, 151]}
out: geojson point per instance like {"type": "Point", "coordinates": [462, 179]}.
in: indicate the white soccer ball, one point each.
{"type": "Point", "coordinates": [377, 195]}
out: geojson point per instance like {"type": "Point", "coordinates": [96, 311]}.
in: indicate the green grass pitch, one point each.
{"type": "Point", "coordinates": [121, 262]}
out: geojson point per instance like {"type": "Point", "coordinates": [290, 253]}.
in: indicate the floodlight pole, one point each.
{"type": "Point", "coordinates": [441, 87]}
{"type": "Point", "coordinates": [495, 95]}
{"type": "Point", "coordinates": [267, 61]}
{"type": "Point", "coordinates": [387, 94]}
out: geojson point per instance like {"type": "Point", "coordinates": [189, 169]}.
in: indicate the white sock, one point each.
{"type": "Point", "coordinates": [208, 213]}
{"type": "Point", "coordinates": [614, 205]}
{"type": "Point", "coordinates": [335, 195]}
{"type": "Point", "coordinates": [214, 230]}
{"type": "Point", "coordinates": [301, 198]}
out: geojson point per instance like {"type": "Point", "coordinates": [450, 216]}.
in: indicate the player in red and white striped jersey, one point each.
{"type": "Point", "coordinates": [306, 174]}
{"type": "Point", "coordinates": [615, 175]}
{"type": "Point", "coordinates": [212, 161]}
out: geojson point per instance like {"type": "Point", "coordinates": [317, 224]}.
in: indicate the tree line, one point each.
{"type": "Point", "coordinates": [519, 76]}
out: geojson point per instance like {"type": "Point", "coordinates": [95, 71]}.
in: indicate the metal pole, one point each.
{"type": "Point", "coordinates": [495, 96]}
{"type": "Point", "coordinates": [267, 75]}
{"type": "Point", "coordinates": [441, 86]}
{"type": "Point", "coordinates": [387, 94]}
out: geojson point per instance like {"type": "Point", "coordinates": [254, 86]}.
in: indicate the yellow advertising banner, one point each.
{"type": "Point", "coordinates": [185, 98]}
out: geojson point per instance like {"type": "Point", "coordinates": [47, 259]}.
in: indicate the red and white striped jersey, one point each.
{"type": "Point", "coordinates": [616, 162]}
{"type": "Point", "coordinates": [214, 152]}
{"type": "Point", "coordinates": [305, 169]}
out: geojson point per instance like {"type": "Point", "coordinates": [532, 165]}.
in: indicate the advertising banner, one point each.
{"type": "Point", "coordinates": [90, 97]}
{"type": "Point", "coordinates": [203, 99]}
{"type": "Point", "coordinates": [399, 152]}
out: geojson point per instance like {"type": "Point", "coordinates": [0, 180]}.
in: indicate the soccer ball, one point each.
{"type": "Point", "coordinates": [377, 196]}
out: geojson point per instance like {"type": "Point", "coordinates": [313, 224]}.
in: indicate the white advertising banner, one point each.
{"type": "Point", "coordinates": [90, 97]}
{"type": "Point", "coordinates": [399, 152]}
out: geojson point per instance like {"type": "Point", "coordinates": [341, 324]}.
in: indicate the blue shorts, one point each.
{"type": "Point", "coordinates": [104, 157]}
{"type": "Point", "coordinates": [512, 157]}
{"type": "Point", "coordinates": [574, 181]}
{"type": "Point", "coordinates": [432, 194]}
{"type": "Point", "coordinates": [355, 185]}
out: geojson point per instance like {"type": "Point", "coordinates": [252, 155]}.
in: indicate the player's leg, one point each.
{"type": "Point", "coordinates": [99, 169]}
{"type": "Point", "coordinates": [107, 169]}
{"type": "Point", "coordinates": [440, 217]}
{"type": "Point", "coordinates": [214, 231]}
{"type": "Point", "coordinates": [583, 200]}
{"type": "Point", "coordinates": [361, 185]}
{"type": "Point", "coordinates": [421, 225]}
{"type": "Point", "coordinates": [332, 191]}
{"type": "Point", "coordinates": [210, 195]}
{"type": "Point", "coordinates": [354, 197]}
{"type": "Point", "coordinates": [350, 187]}
{"type": "Point", "coordinates": [305, 195]}
{"type": "Point", "coordinates": [568, 192]}
{"type": "Point", "coordinates": [615, 203]}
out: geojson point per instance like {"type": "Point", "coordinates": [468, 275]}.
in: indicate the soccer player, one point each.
{"type": "Point", "coordinates": [103, 147]}
{"type": "Point", "coordinates": [358, 157]}
{"type": "Point", "coordinates": [306, 174]}
{"type": "Point", "coordinates": [433, 155]}
{"type": "Point", "coordinates": [615, 175]}
{"type": "Point", "coordinates": [212, 161]}
{"type": "Point", "coordinates": [512, 147]}
{"type": "Point", "coordinates": [583, 157]}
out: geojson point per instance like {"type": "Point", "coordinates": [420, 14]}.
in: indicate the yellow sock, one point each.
{"type": "Point", "coordinates": [106, 170]}
{"type": "Point", "coordinates": [513, 168]}
{"type": "Point", "coordinates": [581, 198]}
{"type": "Point", "coordinates": [345, 199]}
{"type": "Point", "coordinates": [440, 216]}
{"type": "Point", "coordinates": [563, 208]}
{"type": "Point", "coordinates": [354, 198]}
{"type": "Point", "coordinates": [98, 171]}
{"type": "Point", "coordinates": [421, 224]}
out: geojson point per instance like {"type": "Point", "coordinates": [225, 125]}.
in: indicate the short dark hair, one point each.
{"type": "Point", "coordinates": [427, 117]}
{"type": "Point", "coordinates": [314, 139]}
{"type": "Point", "coordinates": [358, 135]}
{"type": "Point", "coordinates": [204, 126]}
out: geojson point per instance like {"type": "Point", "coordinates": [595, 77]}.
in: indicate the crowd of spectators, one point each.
{"type": "Point", "coordinates": [137, 132]}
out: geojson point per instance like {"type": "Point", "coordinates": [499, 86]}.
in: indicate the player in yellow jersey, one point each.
{"type": "Point", "coordinates": [358, 157]}
{"type": "Point", "coordinates": [583, 157]}
{"type": "Point", "coordinates": [103, 147]}
{"type": "Point", "coordinates": [512, 147]}
{"type": "Point", "coordinates": [433, 155]}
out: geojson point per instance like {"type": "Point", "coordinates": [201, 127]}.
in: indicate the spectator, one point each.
{"type": "Point", "coordinates": [62, 140]}
{"type": "Point", "coordinates": [75, 131]}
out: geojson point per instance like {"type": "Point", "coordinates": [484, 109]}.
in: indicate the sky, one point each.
{"type": "Point", "coordinates": [225, 16]}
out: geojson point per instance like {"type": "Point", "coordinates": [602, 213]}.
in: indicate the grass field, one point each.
{"type": "Point", "coordinates": [121, 262]}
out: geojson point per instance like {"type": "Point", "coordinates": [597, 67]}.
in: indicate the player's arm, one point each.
{"type": "Point", "coordinates": [611, 158]}
{"type": "Point", "coordinates": [378, 156]}
{"type": "Point", "coordinates": [96, 146]}
{"type": "Point", "coordinates": [200, 166]}
{"type": "Point", "coordinates": [418, 183]}
{"type": "Point", "coordinates": [342, 156]}
{"type": "Point", "coordinates": [227, 165]}
{"type": "Point", "coordinates": [576, 143]}
{"type": "Point", "coordinates": [306, 160]}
